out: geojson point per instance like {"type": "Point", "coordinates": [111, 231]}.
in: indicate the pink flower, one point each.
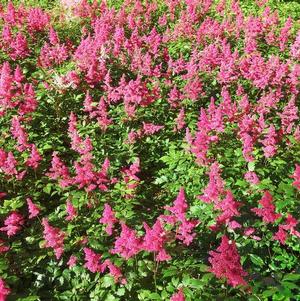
{"type": "Point", "coordinates": [296, 177]}
{"type": "Point", "coordinates": [180, 205]}
{"type": "Point", "coordinates": [179, 296]}
{"type": "Point", "coordinates": [127, 244]}
{"type": "Point", "coordinates": [3, 247]}
{"type": "Point", "coordinates": [71, 210]}
{"type": "Point", "coordinates": [35, 158]}
{"type": "Point", "coordinates": [115, 272]}
{"type": "Point", "coordinates": [19, 48]}
{"type": "Point", "coordinates": [200, 143]}
{"type": "Point", "coordinates": [33, 209]}
{"type": "Point", "coordinates": [229, 209]}
{"type": "Point", "coordinates": [225, 262]}
{"type": "Point", "coordinates": [13, 223]}
{"type": "Point", "coordinates": [53, 55]}
{"type": "Point", "coordinates": [251, 177]}
{"type": "Point", "coordinates": [108, 218]}
{"type": "Point", "coordinates": [249, 232]}
{"type": "Point", "coordinates": [59, 171]}
{"type": "Point", "coordinates": [289, 116]}
{"type": "Point", "coordinates": [8, 163]}
{"type": "Point", "coordinates": [37, 20]}
{"type": "Point", "coordinates": [87, 104]}
{"type": "Point", "coordinates": [19, 134]}
{"type": "Point", "coordinates": [185, 228]}
{"type": "Point", "coordinates": [179, 121]}
{"type": "Point", "coordinates": [280, 235]}
{"type": "Point", "coordinates": [72, 261]}
{"type": "Point", "coordinates": [29, 103]}
{"type": "Point", "coordinates": [150, 128]}
{"type": "Point", "coordinates": [92, 261]}
{"type": "Point", "coordinates": [215, 187]}
{"type": "Point", "coordinates": [4, 290]}
{"type": "Point", "coordinates": [289, 225]}
{"type": "Point", "coordinates": [154, 240]}
{"type": "Point", "coordinates": [267, 212]}
{"type": "Point", "coordinates": [54, 238]}
{"type": "Point", "coordinates": [269, 142]}
{"type": "Point", "coordinates": [284, 33]}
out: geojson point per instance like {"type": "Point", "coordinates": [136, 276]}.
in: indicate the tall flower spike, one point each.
{"type": "Point", "coordinates": [13, 223]}
{"type": "Point", "coordinates": [296, 177]}
{"type": "Point", "coordinates": [71, 210]}
{"type": "Point", "coordinates": [4, 290]}
{"type": "Point", "coordinates": [35, 158]}
{"type": "Point", "coordinates": [92, 261]}
{"type": "Point", "coordinates": [215, 187]}
{"type": "Point", "coordinates": [154, 240]}
{"type": "Point", "coordinates": [127, 244]}
{"type": "Point", "coordinates": [54, 238]}
{"type": "Point", "coordinates": [267, 212]}
{"type": "Point", "coordinates": [225, 263]}
{"type": "Point", "coordinates": [108, 218]}
{"type": "Point", "coordinates": [33, 209]}
{"type": "Point", "coordinates": [179, 296]}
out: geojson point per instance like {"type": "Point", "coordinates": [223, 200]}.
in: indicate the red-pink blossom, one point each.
{"type": "Point", "coordinates": [71, 211]}
{"type": "Point", "coordinates": [4, 290]}
{"type": "Point", "coordinates": [184, 231]}
{"type": "Point", "coordinates": [267, 212]}
{"type": "Point", "coordinates": [3, 247]}
{"type": "Point", "coordinates": [251, 177]}
{"type": "Point", "coordinates": [33, 209]}
{"type": "Point", "coordinates": [179, 296]}
{"type": "Point", "coordinates": [228, 207]}
{"type": "Point", "coordinates": [269, 142]}
{"type": "Point", "coordinates": [280, 235]}
{"type": "Point", "coordinates": [296, 177]}
{"type": "Point", "coordinates": [37, 20]}
{"type": "Point", "coordinates": [59, 171]}
{"type": "Point", "coordinates": [127, 244]}
{"type": "Point", "coordinates": [154, 241]}
{"type": "Point", "coordinates": [215, 187]}
{"type": "Point", "coordinates": [13, 223]}
{"type": "Point", "coordinates": [54, 238]}
{"type": "Point", "coordinates": [115, 272]}
{"type": "Point", "coordinates": [72, 261]}
{"type": "Point", "coordinates": [288, 116]}
{"type": "Point", "coordinates": [92, 261]}
{"type": "Point", "coordinates": [108, 218]}
{"type": "Point", "coordinates": [179, 121]}
{"type": "Point", "coordinates": [225, 263]}
{"type": "Point", "coordinates": [35, 158]}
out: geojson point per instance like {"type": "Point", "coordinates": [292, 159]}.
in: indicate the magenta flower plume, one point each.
{"type": "Point", "coordinates": [13, 223]}
{"type": "Point", "coordinates": [71, 211]}
{"type": "Point", "coordinates": [72, 261]}
{"type": "Point", "coordinates": [4, 290]}
{"type": "Point", "coordinates": [179, 296]}
{"type": "Point", "coordinates": [92, 261]}
{"type": "Point", "coordinates": [33, 209]}
{"type": "Point", "coordinates": [267, 212]}
{"type": "Point", "coordinates": [127, 244]}
{"type": "Point", "coordinates": [296, 177]}
{"type": "Point", "coordinates": [108, 218]}
{"type": "Point", "coordinates": [154, 241]}
{"type": "Point", "coordinates": [225, 263]}
{"type": "Point", "coordinates": [54, 238]}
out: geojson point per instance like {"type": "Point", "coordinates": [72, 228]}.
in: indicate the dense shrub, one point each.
{"type": "Point", "coordinates": [149, 150]}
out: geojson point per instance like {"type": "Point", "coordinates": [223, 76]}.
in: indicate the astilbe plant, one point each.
{"type": "Point", "coordinates": [135, 134]}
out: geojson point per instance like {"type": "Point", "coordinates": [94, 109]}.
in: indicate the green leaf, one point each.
{"type": "Point", "coordinates": [251, 166]}
{"type": "Point", "coordinates": [291, 277]}
{"type": "Point", "coordinates": [256, 260]}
